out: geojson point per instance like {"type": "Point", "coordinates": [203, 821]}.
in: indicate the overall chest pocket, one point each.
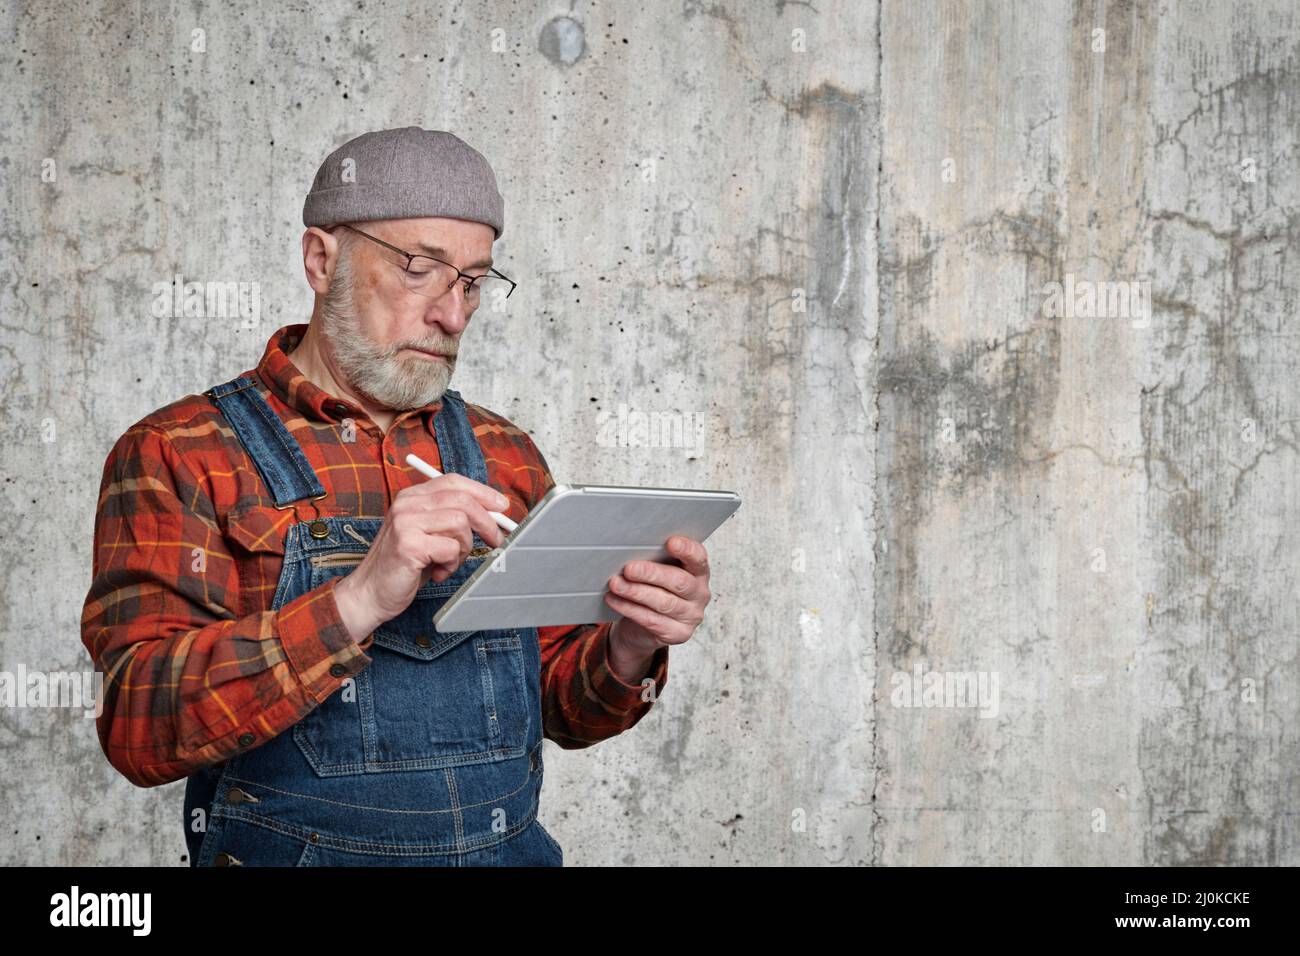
{"type": "Point", "coordinates": [427, 700]}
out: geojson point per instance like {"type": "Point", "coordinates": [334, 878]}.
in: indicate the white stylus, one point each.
{"type": "Point", "coordinates": [426, 469]}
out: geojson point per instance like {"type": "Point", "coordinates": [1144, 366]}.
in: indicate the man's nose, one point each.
{"type": "Point", "coordinates": [450, 310]}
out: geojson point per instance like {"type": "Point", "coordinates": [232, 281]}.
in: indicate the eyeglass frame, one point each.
{"type": "Point", "coordinates": [411, 257]}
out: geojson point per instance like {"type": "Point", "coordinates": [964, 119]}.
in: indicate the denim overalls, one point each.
{"type": "Point", "coordinates": [431, 756]}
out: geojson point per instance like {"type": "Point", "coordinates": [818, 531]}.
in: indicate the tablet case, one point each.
{"type": "Point", "coordinates": [554, 568]}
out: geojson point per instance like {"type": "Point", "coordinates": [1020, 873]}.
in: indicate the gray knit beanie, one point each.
{"type": "Point", "coordinates": [404, 174]}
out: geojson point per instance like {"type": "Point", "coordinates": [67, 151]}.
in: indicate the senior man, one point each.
{"type": "Point", "coordinates": [267, 566]}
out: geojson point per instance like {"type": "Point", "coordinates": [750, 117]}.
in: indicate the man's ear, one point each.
{"type": "Point", "coordinates": [320, 253]}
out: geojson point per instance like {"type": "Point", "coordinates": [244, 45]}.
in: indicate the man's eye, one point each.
{"type": "Point", "coordinates": [419, 269]}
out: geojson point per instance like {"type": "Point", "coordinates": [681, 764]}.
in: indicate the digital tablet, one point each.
{"type": "Point", "coordinates": [554, 568]}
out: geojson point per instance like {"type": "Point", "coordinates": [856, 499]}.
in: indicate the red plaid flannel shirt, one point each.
{"type": "Point", "coordinates": [188, 550]}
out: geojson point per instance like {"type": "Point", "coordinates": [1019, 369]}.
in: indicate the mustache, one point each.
{"type": "Point", "coordinates": [440, 347]}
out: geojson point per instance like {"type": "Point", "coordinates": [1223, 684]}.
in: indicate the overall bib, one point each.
{"type": "Point", "coordinates": [431, 756]}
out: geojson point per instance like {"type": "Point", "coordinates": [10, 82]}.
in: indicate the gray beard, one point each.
{"type": "Point", "coordinates": [377, 372]}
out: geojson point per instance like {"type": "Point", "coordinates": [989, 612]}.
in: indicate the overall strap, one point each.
{"type": "Point", "coordinates": [278, 457]}
{"type": "Point", "coordinates": [457, 446]}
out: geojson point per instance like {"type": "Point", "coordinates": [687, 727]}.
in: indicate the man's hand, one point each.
{"type": "Point", "coordinates": [427, 534]}
{"type": "Point", "coordinates": [661, 604]}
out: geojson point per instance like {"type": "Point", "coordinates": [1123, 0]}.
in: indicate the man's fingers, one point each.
{"type": "Point", "coordinates": [465, 503]}
{"type": "Point", "coordinates": [482, 522]}
{"type": "Point", "coordinates": [689, 581]}
{"type": "Point", "coordinates": [671, 578]}
{"type": "Point", "coordinates": [450, 525]}
{"type": "Point", "coordinates": [691, 553]}
{"type": "Point", "coordinates": [657, 599]}
{"type": "Point", "coordinates": [476, 500]}
{"type": "Point", "coordinates": [669, 629]}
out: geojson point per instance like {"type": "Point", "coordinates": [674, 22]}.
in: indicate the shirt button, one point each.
{"type": "Point", "coordinates": [422, 641]}
{"type": "Point", "coordinates": [246, 739]}
{"type": "Point", "coordinates": [225, 859]}
{"type": "Point", "coordinates": [340, 409]}
{"type": "Point", "coordinates": [390, 460]}
{"type": "Point", "coordinates": [235, 796]}
{"type": "Point", "coordinates": [337, 670]}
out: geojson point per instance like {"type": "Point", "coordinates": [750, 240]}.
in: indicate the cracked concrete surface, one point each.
{"type": "Point", "coordinates": [1091, 534]}
{"type": "Point", "coordinates": [830, 229]}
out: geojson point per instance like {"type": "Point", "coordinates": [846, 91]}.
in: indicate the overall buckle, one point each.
{"type": "Point", "coordinates": [317, 528]}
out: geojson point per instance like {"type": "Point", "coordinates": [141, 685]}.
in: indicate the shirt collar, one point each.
{"type": "Point", "coordinates": [294, 389]}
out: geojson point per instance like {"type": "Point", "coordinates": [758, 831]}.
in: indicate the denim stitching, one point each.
{"type": "Point", "coordinates": [293, 452]}
{"type": "Point", "coordinates": [457, 818]}
{"type": "Point", "coordinates": [237, 398]}
{"type": "Point", "coordinates": [378, 849]}
{"type": "Point", "coordinates": [358, 806]}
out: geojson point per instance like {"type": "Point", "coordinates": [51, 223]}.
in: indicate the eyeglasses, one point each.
{"type": "Point", "coordinates": [430, 277]}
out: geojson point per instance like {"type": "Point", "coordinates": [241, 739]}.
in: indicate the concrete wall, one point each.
{"type": "Point", "coordinates": [829, 233]}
